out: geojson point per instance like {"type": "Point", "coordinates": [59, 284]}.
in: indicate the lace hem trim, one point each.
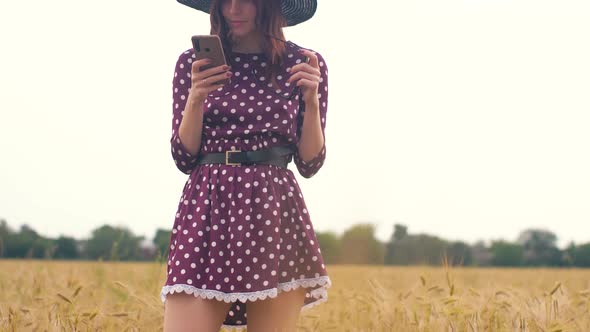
{"type": "Point", "coordinates": [320, 293]}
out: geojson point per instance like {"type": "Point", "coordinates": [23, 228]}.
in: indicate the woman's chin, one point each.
{"type": "Point", "coordinates": [240, 33]}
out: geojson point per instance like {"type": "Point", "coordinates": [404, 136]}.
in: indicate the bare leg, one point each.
{"type": "Point", "coordinates": [276, 314]}
{"type": "Point", "coordinates": [188, 313]}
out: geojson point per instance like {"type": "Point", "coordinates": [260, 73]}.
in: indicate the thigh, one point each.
{"type": "Point", "coordinates": [184, 312]}
{"type": "Point", "coordinates": [276, 314]}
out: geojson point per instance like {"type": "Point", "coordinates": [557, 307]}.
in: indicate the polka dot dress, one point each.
{"type": "Point", "coordinates": [243, 233]}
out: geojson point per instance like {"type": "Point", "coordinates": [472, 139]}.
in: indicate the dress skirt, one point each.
{"type": "Point", "coordinates": [241, 234]}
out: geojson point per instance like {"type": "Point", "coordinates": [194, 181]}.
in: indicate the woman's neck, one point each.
{"type": "Point", "coordinates": [248, 44]}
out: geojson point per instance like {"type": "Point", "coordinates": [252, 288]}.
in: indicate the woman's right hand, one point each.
{"type": "Point", "coordinates": [203, 82]}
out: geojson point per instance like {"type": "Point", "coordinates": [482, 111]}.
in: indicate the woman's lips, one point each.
{"type": "Point", "coordinates": [236, 23]}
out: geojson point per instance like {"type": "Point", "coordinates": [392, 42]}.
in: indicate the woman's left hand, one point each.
{"type": "Point", "coordinates": [307, 76]}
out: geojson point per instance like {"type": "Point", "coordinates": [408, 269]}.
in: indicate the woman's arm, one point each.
{"type": "Point", "coordinates": [312, 136]}
{"type": "Point", "coordinates": [311, 149]}
{"type": "Point", "coordinates": [187, 119]}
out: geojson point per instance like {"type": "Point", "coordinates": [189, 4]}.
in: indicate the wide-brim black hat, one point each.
{"type": "Point", "coordinates": [294, 11]}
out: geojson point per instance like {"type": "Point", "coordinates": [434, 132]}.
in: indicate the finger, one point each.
{"type": "Point", "coordinates": [218, 77]}
{"type": "Point", "coordinates": [212, 71]}
{"type": "Point", "coordinates": [313, 58]}
{"type": "Point", "coordinates": [301, 75]}
{"type": "Point", "coordinates": [306, 67]}
{"type": "Point", "coordinates": [210, 87]}
{"type": "Point", "coordinates": [198, 64]}
{"type": "Point", "coordinates": [203, 66]}
{"type": "Point", "coordinates": [307, 83]}
{"type": "Point", "coordinates": [215, 78]}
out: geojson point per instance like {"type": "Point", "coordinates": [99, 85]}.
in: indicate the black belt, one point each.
{"type": "Point", "coordinates": [278, 155]}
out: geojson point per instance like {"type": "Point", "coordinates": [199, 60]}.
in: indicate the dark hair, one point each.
{"type": "Point", "coordinates": [269, 22]}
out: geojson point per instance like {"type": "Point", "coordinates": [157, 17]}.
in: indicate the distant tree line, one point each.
{"type": "Point", "coordinates": [357, 245]}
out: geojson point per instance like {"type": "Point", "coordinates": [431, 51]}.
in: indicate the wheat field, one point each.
{"type": "Point", "coordinates": [39, 295]}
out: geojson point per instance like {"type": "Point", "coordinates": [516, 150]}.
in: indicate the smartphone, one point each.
{"type": "Point", "coordinates": [209, 47]}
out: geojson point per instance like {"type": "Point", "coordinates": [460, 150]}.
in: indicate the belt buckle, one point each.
{"type": "Point", "coordinates": [227, 158]}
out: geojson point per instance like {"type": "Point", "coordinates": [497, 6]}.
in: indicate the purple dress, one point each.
{"type": "Point", "coordinates": [243, 233]}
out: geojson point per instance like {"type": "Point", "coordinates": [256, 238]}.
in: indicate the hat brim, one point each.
{"type": "Point", "coordinates": [294, 11]}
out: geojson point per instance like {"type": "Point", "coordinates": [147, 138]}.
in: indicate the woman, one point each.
{"type": "Point", "coordinates": [243, 249]}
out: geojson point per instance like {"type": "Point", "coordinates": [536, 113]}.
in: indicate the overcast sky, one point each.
{"type": "Point", "coordinates": [463, 119]}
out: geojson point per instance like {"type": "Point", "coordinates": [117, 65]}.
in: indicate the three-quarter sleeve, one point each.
{"type": "Point", "coordinates": [181, 84]}
{"type": "Point", "coordinates": [309, 168]}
